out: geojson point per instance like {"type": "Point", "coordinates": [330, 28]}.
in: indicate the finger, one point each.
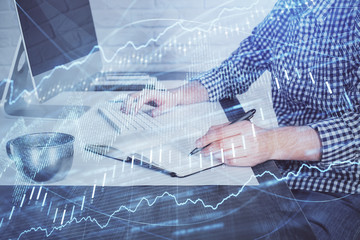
{"type": "Point", "coordinates": [239, 158]}
{"type": "Point", "coordinates": [219, 157]}
{"type": "Point", "coordinates": [201, 142]}
{"type": "Point", "coordinates": [142, 98]}
{"type": "Point", "coordinates": [140, 102]}
{"type": "Point", "coordinates": [225, 157]}
{"type": "Point", "coordinates": [128, 104]}
{"type": "Point", "coordinates": [159, 110]}
{"type": "Point", "coordinates": [124, 104]}
{"type": "Point", "coordinates": [234, 153]}
{"type": "Point", "coordinates": [212, 148]}
{"type": "Point", "coordinates": [166, 104]}
{"type": "Point", "coordinates": [240, 162]}
{"type": "Point", "coordinates": [232, 143]}
{"type": "Point", "coordinates": [229, 154]}
{"type": "Point", "coordinates": [136, 101]}
{"type": "Point", "coordinates": [224, 145]}
{"type": "Point", "coordinates": [221, 132]}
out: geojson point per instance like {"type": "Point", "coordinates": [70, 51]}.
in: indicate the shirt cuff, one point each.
{"type": "Point", "coordinates": [338, 142]}
{"type": "Point", "coordinates": [213, 84]}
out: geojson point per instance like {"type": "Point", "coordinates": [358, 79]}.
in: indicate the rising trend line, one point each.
{"type": "Point", "coordinates": [187, 201]}
{"type": "Point", "coordinates": [180, 23]}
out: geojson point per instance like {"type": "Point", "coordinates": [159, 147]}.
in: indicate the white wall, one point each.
{"type": "Point", "coordinates": [9, 35]}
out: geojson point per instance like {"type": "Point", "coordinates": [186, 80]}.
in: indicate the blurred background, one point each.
{"type": "Point", "coordinates": [156, 35]}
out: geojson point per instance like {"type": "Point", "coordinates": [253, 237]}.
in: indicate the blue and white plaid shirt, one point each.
{"type": "Point", "coordinates": [312, 49]}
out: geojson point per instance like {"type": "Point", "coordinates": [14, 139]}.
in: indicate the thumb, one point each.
{"type": "Point", "coordinates": [160, 110]}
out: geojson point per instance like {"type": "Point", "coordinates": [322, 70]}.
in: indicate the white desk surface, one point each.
{"type": "Point", "coordinates": [88, 168]}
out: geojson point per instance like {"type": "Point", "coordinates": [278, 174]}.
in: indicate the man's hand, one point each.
{"type": "Point", "coordinates": [190, 93]}
{"type": "Point", "coordinates": [164, 100]}
{"type": "Point", "coordinates": [244, 144]}
{"type": "Point", "coordinates": [240, 144]}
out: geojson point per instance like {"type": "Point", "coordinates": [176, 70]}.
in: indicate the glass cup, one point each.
{"type": "Point", "coordinates": [44, 156]}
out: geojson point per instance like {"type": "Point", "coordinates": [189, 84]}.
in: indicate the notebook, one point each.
{"type": "Point", "coordinates": [176, 165]}
{"type": "Point", "coordinates": [167, 147]}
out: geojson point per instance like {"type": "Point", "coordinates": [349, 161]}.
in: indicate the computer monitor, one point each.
{"type": "Point", "coordinates": [61, 52]}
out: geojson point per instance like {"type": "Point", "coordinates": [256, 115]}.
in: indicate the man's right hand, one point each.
{"type": "Point", "coordinates": [190, 93]}
{"type": "Point", "coordinates": [164, 100]}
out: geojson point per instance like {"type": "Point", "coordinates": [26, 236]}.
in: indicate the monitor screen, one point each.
{"type": "Point", "coordinates": [56, 32]}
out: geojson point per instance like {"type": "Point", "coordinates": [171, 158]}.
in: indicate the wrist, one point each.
{"type": "Point", "coordinates": [190, 93]}
{"type": "Point", "coordinates": [294, 143]}
{"type": "Point", "coordinates": [176, 95]}
{"type": "Point", "coordinates": [271, 144]}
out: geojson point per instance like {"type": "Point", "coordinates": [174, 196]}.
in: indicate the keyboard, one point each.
{"type": "Point", "coordinates": [128, 123]}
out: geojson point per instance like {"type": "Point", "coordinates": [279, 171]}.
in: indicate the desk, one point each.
{"type": "Point", "coordinates": [266, 211]}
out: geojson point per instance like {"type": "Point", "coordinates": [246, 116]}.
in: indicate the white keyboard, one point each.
{"type": "Point", "coordinates": [124, 123]}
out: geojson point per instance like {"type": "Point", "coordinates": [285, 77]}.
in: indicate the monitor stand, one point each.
{"type": "Point", "coordinates": [20, 83]}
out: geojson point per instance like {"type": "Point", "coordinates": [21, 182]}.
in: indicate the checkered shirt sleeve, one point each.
{"type": "Point", "coordinates": [250, 60]}
{"type": "Point", "coordinates": [340, 139]}
{"type": "Point", "coordinates": [318, 47]}
{"type": "Point", "coordinates": [340, 135]}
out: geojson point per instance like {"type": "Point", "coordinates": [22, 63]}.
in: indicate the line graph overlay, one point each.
{"type": "Point", "coordinates": [146, 201]}
{"type": "Point", "coordinates": [205, 27]}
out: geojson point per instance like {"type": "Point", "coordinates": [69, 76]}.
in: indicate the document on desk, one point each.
{"type": "Point", "coordinates": [174, 159]}
{"type": "Point", "coordinates": [168, 147]}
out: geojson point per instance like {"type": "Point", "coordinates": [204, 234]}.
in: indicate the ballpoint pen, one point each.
{"type": "Point", "coordinates": [247, 116]}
